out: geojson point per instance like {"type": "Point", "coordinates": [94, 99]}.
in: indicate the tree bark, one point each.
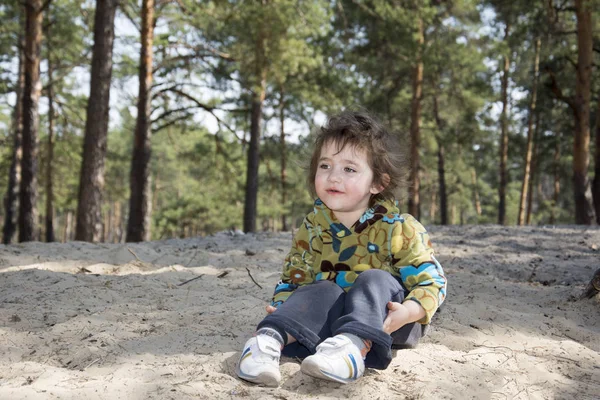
{"type": "Point", "coordinates": [50, 159]}
{"type": "Point", "coordinates": [584, 210]}
{"type": "Point", "coordinates": [433, 205]}
{"type": "Point", "coordinates": [283, 148]}
{"type": "Point", "coordinates": [140, 201]}
{"type": "Point", "coordinates": [556, 167]}
{"type": "Point", "coordinates": [503, 182]}
{"type": "Point", "coordinates": [31, 96]}
{"type": "Point", "coordinates": [91, 182]}
{"type": "Point", "coordinates": [258, 97]}
{"type": "Point", "coordinates": [441, 164]}
{"type": "Point", "coordinates": [596, 185]}
{"type": "Point", "coordinates": [68, 222]}
{"type": "Point", "coordinates": [11, 201]}
{"type": "Point", "coordinates": [534, 168]}
{"type": "Point", "coordinates": [529, 149]}
{"type": "Point", "coordinates": [117, 223]}
{"type": "Point", "coordinates": [415, 123]}
{"type": "Point", "coordinates": [476, 192]}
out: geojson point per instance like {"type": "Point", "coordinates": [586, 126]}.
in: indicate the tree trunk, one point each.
{"type": "Point", "coordinates": [433, 205]}
{"type": "Point", "coordinates": [534, 168]}
{"type": "Point", "coordinates": [91, 182]}
{"type": "Point", "coordinates": [117, 223]}
{"type": "Point", "coordinates": [503, 182]}
{"type": "Point", "coordinates": [442, 180]}
{"type": "Point", "coordinates": [109, 229]}
{"type": "Point", "coordinates": [106, 228]}
{"type": "Point", "coordinates": [49, 187]}
{"type": "Point", "coordinates": [31, 96]}
{"type": "Point", "coordinates": [140, 201]}
{"type": "Point", "coordinates": [529, 150]}
{"type": "Point", "coordinates": [284, 223]}
{"type": "Point", "coordinates": [476, 192]}
{"type": "Point", "coordinates": [68, 230]}
{"type": "Point", "coordinates": [441, 164]}
{"type": "Point", "coordinates": [11, 201]}
{"type": "Point", "coordinates": [584, 210]}
{"type": "Point", "coordinates": [556, 162]}
{"type": "Point", "coordinates": [415, 124]}
{"type": "Point", "coordinates": [258, 97]}
{"type": "Point", "coordinates": [596, 185]}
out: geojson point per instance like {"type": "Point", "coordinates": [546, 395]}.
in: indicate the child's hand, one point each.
{"type": "Point", "coordinates": [270, 309]}
{"type": "Point", "coordinates": [397, 317]}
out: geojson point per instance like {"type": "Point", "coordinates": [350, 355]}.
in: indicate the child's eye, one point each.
{"type": "Point", "coordinates": [324, 166]}
{"type": "Point", "coordinates": [348, 169]}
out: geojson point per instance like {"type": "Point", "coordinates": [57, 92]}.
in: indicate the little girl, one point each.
{"type": "Point", "coordinates": [360, 277]}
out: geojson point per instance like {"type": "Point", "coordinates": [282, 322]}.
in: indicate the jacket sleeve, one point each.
{"type": "Point", "coordinates": [413, 259]}
{"type": "Point", "coordinates": [298, 264]}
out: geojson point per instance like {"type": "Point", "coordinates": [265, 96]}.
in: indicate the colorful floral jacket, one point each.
{"type": "Point", "coordinates": [323, 248]}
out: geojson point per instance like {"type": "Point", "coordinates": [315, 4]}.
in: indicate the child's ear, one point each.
{"type": "Point", "coordinates": [378, 188]}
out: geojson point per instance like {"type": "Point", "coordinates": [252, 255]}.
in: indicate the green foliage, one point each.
{"type": "Point", "coordinates": [317, 59]}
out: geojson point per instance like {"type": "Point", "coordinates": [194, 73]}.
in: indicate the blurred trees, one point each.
{"type": "Point", "coordinates": [91, 182]}
{"type": "Point", "coordinates": [140, 197]}
{"type": "Point", "coordinates": [226, 92]}
{"type": "Point", "coordinates": [28, 191]}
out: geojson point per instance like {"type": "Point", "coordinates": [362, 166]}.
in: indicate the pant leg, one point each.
{"type": "Point", "coordinates": [408, 336]}
{"type": "Point", "coordinates": [366, 309]}
{"type": "Point", "coordinates": [307, 315]}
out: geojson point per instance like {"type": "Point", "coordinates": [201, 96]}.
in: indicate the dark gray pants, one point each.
{"type": "Point", "coordinates": [320, 310]}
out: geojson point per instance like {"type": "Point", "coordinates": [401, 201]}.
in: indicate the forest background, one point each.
{"type": "Point", "coordinates": [133, 121]}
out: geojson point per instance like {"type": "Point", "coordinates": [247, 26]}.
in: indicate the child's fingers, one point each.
{"type": "Point", "coordinates": [386, 325]}
{"type": "Point", "coordinates": [270, 309]}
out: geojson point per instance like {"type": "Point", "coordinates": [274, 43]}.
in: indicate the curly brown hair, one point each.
{"type": "Point", "coordinates": [385, 155]}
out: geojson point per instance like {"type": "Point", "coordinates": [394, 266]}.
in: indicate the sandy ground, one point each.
{"type": "Point", "coordinates": [87, 321]}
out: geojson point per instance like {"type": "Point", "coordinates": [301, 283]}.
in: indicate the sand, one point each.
{"type": "Point", "coordinates": [118, 321]}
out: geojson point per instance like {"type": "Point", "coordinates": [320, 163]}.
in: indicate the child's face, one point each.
{"type": "Point", "coordinates": [344, 181]}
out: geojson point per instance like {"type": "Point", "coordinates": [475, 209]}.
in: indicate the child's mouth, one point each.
{"type": "Point", "coordinates": [333, 191]}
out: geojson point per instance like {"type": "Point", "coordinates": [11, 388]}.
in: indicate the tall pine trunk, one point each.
{"type": "Point", "coordinates": [140, 201]}
{"type": "Point", "coordinates": [68, 217]}
{"type": "Point", "coordinates": [50, 143]}
{"type": "Point", "coordinates": [529, 149]}
{"type": "Point", "coordinates": [415, 123]}
{"type": "Point", "coordinates": [31, 96]}
{"type": "Point", "coordinates": [596, 185]}
{"type": "Point", "coordinates": [11, 202]}
{"type": "Point", "coordinates": [441, 164]}
{"type": "Point", "coordinates": [556, 173]}
{"type": "Point", "coordinates": [534, 174]}
{"type": "Point", "coordinates": [584, 210]}
{"type": "Point", "coordinates": [283, 148]}
{"type": "Point", "coordinates": [258, 97]}
{"type": "Point", "coordinates": [503, 181]}
{"type": "Point", "coordinates": [91, 182]}
{"type": "Point", "coordinates": [476, 200]}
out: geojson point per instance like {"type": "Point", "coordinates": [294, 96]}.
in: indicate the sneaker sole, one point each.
{"type": "Point", "coordinates": [265, 378]}
{"type": "Point", "coordinates": [311, 368]}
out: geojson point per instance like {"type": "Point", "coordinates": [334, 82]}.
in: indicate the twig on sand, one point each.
{"type": "Point", "coordinates": [250, 275]}
{"type": "Point", "coordinates": [222, 274]}
{"type": "Point", "coordinates": [190, 280]}
{"type": "Point", "coordinates": [192, 259]}
{"type": "Point", "coordinates": [90, 364]}
{"type": "Point", "coordinates": [135, 255]}
{"type": "Point", "coordinates": [533, 272]}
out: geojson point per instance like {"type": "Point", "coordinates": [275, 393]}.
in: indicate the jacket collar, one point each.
{"type": "Point", "coordinates": [327, 219]}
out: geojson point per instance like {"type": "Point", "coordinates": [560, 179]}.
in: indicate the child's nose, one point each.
{"type": "Point", "coordinates": [335, 176]}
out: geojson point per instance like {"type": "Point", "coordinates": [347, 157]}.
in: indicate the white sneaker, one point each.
{"type": "Point", "coordinates": [259, 362]}
{"type": "Point", "coordinates": [337, 359]}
